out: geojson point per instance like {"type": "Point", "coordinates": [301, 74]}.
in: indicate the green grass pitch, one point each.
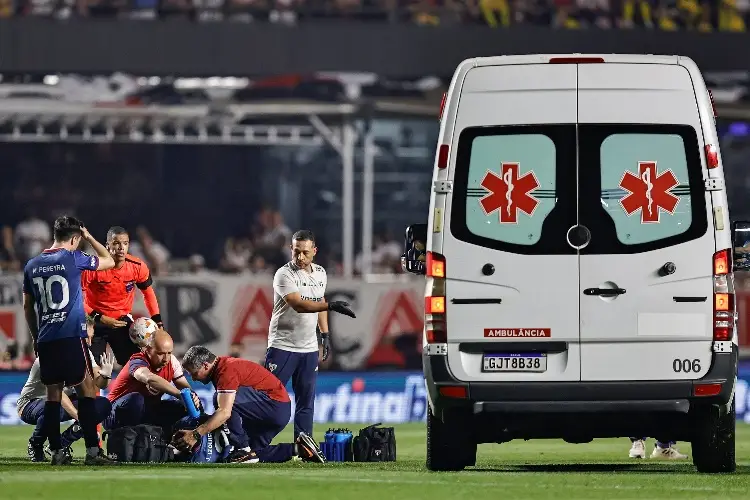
{"type": "Point", "coordinates": [527, 470]}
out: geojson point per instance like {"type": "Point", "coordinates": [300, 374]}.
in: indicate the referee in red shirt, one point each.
{"type": "Point", "coordinates": [109, 296]}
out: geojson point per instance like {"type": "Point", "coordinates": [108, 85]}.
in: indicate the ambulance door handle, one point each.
{"type": "Point", "coordinates": [606, 292]}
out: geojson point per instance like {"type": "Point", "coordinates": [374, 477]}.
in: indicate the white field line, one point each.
{"type": "Point", "coordinates": [239, 472]}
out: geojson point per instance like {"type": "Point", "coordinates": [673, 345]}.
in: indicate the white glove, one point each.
{"type": "Point", "coordinates": [106, 364]}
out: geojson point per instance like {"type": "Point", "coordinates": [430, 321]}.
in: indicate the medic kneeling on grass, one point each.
{"type": "Point", "coordinates": [252, 403]}
{"type": "Point", "coordinates": [137, 392]}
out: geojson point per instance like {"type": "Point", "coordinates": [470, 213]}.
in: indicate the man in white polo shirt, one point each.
{"type": "Point", "coordinates": [300, 309]}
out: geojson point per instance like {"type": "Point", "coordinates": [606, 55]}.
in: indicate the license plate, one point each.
{"type": "Point", "coordinates": [515, 362]}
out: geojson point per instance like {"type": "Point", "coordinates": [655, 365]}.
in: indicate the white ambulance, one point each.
{"type": "Point", "coordinates": [578, 259]}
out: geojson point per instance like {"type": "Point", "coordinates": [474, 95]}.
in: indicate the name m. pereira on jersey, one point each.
{"type": "Point", "coordinates": [48, 269]}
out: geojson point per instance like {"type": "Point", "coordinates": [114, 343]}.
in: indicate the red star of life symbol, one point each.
{"type": "Point", "coordinates": [509, 193]}
{"type": "Point", "coordinates": [649, 192]}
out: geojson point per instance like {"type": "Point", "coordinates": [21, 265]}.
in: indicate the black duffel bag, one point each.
{"type": "Point", "coordinates": [375, 444]}
{"type": "Point", "coordinates": [139, 443]}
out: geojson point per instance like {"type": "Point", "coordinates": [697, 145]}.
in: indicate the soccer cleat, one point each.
{"type": "Point", "coordinates": [308, 449]}
{"type": "Point", "coordinates": [670, 453]}
{"type": "Point", "coordinates": [240, 456]}
{"type": "Point", "coordinates": [99, 459]}
{"type": "Point", "coordinates": [62, 457]}
{"type": "Point", "coordinates": [36, 452]}
{"type": "Point", "coordinates": [48, 452]}
{"type": "Point", "coordinates": [638, 450]}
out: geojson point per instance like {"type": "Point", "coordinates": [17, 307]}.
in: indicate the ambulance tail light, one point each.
{"type": "Point", "coordinates": [434, 303]}
{"type": "Point", "coordinates": [576, 60]}
{"type": "Point", "coordinates": [435, 265]}
{"type": "Point", "coordinates": [453, 391]}
{"type": "Point", "coordinates": [442, 160]}
{"type": "Point", "coordinates": [707, 389]}
{"type": "Point", "coordinates": [723, 296]}
{"type": "Point", "coordinates": [712, 156]}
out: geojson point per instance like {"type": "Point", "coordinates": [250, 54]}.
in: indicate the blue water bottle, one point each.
{"type": "Point", "coordinates": [187, 400]}
{"type": "Point", "coordinates": [340, 446]}
{"type": "Point", "coordinates": [328, 444]}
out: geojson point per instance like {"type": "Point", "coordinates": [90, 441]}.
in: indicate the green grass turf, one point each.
{"type": "Point", "coordinates": [525, 470]}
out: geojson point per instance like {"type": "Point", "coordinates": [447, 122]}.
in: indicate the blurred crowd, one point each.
{"type": "Point", "coordinates": [180, 220]}
{"type": "Point", "coordinates": [261, 251]}
{"type": "Point", "coordinates": [701, 15]}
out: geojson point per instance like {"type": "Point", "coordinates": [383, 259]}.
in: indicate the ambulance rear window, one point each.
{"type": "Point", "coordinates": [513, 187]}
{"type": "Point", "coordinates": [649, 183]}
{"type": "Point", "coordinates": [645, 186]}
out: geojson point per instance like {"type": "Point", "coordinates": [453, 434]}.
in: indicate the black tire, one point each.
{"type": "Point", "coordinates": [713, 441]}
{"type": "Point", "coordinates": [450, 446]}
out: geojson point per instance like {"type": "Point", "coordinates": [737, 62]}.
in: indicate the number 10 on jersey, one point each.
{"type": "Point", "coordinates": [54, 294]}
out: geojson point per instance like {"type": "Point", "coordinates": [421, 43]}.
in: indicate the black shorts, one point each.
{"type": "Point", "coordinates": [118, 340]}
{"type": "Point", "coordinates": [64, 361]}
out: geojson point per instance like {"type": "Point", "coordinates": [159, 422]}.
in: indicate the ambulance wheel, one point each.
{"type": "Point", "coordinates": [450, 446]}
{"type": "Point", "coordinates": [713, 441]}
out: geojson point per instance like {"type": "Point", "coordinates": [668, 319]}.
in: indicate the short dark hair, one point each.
{"type": "Point", "coordinates": [115, 231]}
{"type": "Point", "coordinates": [304, 235]}
{"type": "Point", "coordinates": [196, 356]}
{"type": "Point", "coordinates": [66, 227]}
